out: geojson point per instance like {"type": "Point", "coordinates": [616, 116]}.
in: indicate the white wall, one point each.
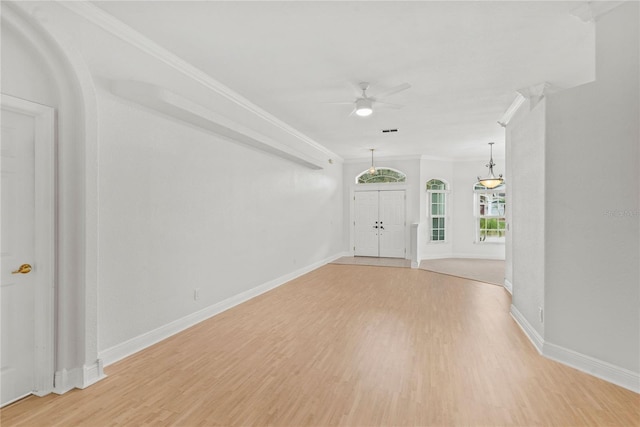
{"type": "Point", "coordinates": [526, 157]}
{"type": "Point", "coordinates": [182, 209]}
{"type": "Point", "coordinates": [592, 204]}
{"type": "Point", "coordinates": [581, 262]}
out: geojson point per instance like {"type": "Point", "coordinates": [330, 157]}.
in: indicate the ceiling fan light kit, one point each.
{"type": "Point", "coordinates": [364, 107]}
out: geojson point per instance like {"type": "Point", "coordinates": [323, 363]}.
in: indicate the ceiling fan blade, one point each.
{"type": "Point", "coordinates": [388, 105]}
{"type": "Point", "coordinates": [393, 90]}
{"type": "Point", "coordinates": [352, 112]}
{"type": "Point", "coordinates": [338, 103]}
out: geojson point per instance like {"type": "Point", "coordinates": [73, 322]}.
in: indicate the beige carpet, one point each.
{"type": "Point", "coordinates": [377, 262]}
{"type": "Point", "coordinates": [483, 270]}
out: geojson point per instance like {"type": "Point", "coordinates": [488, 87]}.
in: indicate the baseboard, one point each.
{"type": "Point", "coordinates": [598, 368]}
{"type": "Point", "coordinates": [508, 286]}
{"type": "Point", "coordinates": [93, 373]}
{"type": "Point", "coordinates": [66, 380]}
{"type": "Point", "coordinates": [587, 364]}
{"type": "Point", "coordinates": [459, 256]}
{"type": "Point", "coordinates": [436, 256]}
{"type": "Point", "coordinates": [528, 330]}
{"type": "Point", "coordinates": [80, 377]}
{"type": "Point", "coordinates": [134, 345]}
{"type": "Point", "coordinates": [478, 256]}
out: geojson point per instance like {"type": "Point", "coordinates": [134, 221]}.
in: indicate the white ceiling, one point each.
{"type": "Point", "coordinates": [464, 60]}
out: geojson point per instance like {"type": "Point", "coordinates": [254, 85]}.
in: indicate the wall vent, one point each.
{"type": "Point", "coordinates": [389, 130]}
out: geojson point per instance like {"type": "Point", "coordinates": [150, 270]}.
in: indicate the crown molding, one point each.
{"type": "Point", "coordinates": [591, 11]}
{"type": "Point", "coordinates": [167, 102]}
{"type": "Point", "coordinates": [124, 32]}
{"type": "Point", "coordinates": [512, 110]}
{"type": "Point", "coordinates": [535, 93]}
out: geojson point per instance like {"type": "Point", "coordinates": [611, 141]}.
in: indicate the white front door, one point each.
{"type": "Point", "coordinates": [392, 224]}
{"type": "Point", "coordinates": [366, 223]}
{"type": "Point", "coordinates": [379, 223]}
{"type": "Point", "coordinates": [24, 301]}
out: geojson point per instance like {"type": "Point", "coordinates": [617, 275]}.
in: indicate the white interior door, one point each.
{"type": "Point", "coordinates": [18, 289]}
{"type": "Point", "coordinates": [379, 223]}
{"type": "Point", "coordinates": [392, 224]}
{"type": "Point", "coordinates": [365, 223]}
{"type": "Point", "coordinates": [26, 248]}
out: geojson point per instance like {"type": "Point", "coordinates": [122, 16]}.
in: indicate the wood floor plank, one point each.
{"type": "Point", "coordinates": [345, 345]}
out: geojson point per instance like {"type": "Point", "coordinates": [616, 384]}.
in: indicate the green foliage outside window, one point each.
{"type": "Point", "coordinates": [381, 175]}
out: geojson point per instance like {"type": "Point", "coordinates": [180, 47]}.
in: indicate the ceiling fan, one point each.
{"type": "Point", "coordinates": [363, 105]}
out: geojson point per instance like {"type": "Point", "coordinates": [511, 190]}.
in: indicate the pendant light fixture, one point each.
{"type": "Point", "coordinates": [372, 169]}
{"type": "Point", "coordinates": [491, 181]}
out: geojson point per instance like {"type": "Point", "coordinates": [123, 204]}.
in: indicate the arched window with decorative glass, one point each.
{"type": "Point", "coordinates": [437, 191]}
{"type": "Point", "coordinates": [381, 175]}
{"type": "Point", "coordinates": [489, 213]}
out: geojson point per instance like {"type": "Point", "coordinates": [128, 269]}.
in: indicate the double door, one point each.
{"type": "Point", "coordinates": [379, 223]}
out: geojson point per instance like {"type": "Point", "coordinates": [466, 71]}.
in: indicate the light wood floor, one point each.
{"type": "Point", "coordinates": [345, 345]}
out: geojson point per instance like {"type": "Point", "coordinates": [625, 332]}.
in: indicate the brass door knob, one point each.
{"type": "Point", "coordinates": [24, 269]}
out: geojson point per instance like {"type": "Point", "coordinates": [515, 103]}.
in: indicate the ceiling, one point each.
{"type": "Point", "coordinates": [464, 61]}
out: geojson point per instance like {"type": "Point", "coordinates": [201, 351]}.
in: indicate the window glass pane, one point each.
{"type": "Point", "coordinates": [435, 184]}
{"type": "Point", "coordinates": [381, 175]}
{"type": "Point", "coordinates": [441, 234]}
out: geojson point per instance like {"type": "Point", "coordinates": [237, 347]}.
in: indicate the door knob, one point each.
{"type": "Point", "coordinates": [24, 269]}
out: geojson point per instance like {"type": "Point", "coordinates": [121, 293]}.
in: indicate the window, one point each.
{"type": "Point", "coordinates": [437, 209]}
{"type": "Point", "coordinates": [381, 175]}
{"type": "Point", "coordinates": [490, 213]}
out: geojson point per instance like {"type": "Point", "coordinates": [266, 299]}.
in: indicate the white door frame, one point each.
{"type": "Point", "coordinates": [44, 262]}
{"type": "Point", "coordinates": [387, 186]}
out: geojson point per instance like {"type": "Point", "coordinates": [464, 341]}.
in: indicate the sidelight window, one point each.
{"type": "Point", "coordinates": [437, 209]}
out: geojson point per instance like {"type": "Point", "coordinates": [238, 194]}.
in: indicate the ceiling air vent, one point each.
{"type": "Point", "coordinates": [389, 130]}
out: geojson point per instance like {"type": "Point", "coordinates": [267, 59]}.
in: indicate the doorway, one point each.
{"type": "Point", "coordinates": [379, 223]}
{"type": "Point", "coordinates": [27, 246]}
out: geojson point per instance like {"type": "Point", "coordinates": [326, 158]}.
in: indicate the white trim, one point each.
{"type": "Point", "coordinates": [134, 345]}
{"type": "Point", "coordinates": [91, 374]}
{"type": "Point", "coordinates": [44, 221]}
{"type": "Point", "coordinates": [587, 364]}
{"type": "Point", "coordinates": [82, 377]}
{"type": "Point", "coordinates": [592, 366]}
{"type": "Point", "coordinates": [533, 335]}
{"type": "Point", "coordinates": [592, 11]}
{"type": "Point", "coordinates": [508, 286]}
{"type": "Point", "coordinates": [66, 380]}
{"type": "Point", "coordinates": [165, 101]}
{"type": "Point", "coordinates": [119, 29]}
{"type": "Point", "coordinates": [512, 110]}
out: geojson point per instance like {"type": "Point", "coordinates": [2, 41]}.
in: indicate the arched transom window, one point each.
{"type": "Point", "coordinates": [381, 175]}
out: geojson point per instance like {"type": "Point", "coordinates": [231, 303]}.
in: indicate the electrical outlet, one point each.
{"type": "Point", "coordinates": [196, 294]}
{"type": "Point", "coordinates": [541, 314]}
